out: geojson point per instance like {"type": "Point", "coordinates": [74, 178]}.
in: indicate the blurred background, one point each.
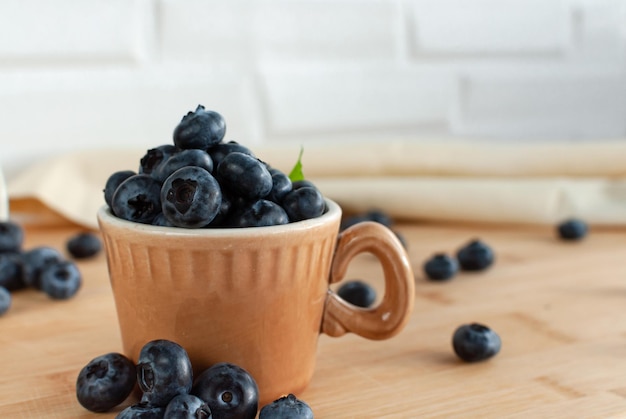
{"type": "Point", "coordinates": [78, 74]}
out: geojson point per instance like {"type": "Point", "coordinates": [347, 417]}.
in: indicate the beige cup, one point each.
{"type": "Point", "coordinates": [257, 297]}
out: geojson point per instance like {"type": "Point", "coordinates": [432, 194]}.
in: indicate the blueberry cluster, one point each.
{"type": "Point", "coordinates": [43, 268]}
{"type": "Point", "coordinates": [203, 181]}
{"type": "Point", "coordinates": [164, 376]}
{"type": "Point", "coordinates": [475, 255]}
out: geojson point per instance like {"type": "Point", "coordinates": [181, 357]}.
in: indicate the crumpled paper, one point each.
{"type": "Point", "coordinates": [468, 181]}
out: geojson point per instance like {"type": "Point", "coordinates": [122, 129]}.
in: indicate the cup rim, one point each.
{"type": "Point", "coordinates": [105, 217]}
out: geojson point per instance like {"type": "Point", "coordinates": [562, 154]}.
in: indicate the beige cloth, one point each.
{"type": "Point", "coordinates": [478, 181]}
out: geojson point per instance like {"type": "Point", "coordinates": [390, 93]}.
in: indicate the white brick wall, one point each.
{"type": "Point", "coordinates": [92, 73]}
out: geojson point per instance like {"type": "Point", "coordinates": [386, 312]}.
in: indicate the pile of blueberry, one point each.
{"type": "Point", "coordinates": [43, 268]}
{"type": "Point", "coordinates": [164, 375]}
{"type": "Point", "coordinates": [202, 181]}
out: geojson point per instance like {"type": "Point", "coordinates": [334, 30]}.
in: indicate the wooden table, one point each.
{"type": "Point", "coordinates": [560, 309]}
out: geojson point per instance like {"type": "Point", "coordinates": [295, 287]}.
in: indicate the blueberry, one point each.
{"type": "Point", "coordinates": [190, 197]}
{"type": "Point", "coordinates": [5, 300]}
{"type": "Point", "coordinates": [11, 237]}
{"type": "Point", "coordinates": [142, 411]}
{"type": "Point", "coordinates": [281, 186]}
{"type": "Point", "coordinates": [229, 390]}
{"type": "Point", "coordinates": [155, 157]}
{"type": "Point", "coordinates": [163, 372]}
{"type": "Point", "coordinates": [379, 216]}
{"type": "Point", "coordinates": [199, 129]}
{"type": "Point", "coordinates": [187, 406]}
{"type": "Point", "coordinates": [286, 407]}
{"type": "Point", "coordinates": [84, 245]}
{"type": "Point", "coordinates": [351, 220]}
{"type": "Point", "coordinates": [440, 267]}
{"type": "Point", "coordinates": [11, 271]}
{"type": "Point", "coordinates": [137, 199]}
{"type": "Point", "coordinates": [475, 342]}
{"type": "Point", "coordinates": [219, 151]}
{"type": "Point", "coordinates": [61, 280]}
{"type": "Point", "coordinates": [35, 260]}
{"type": "Point", "coordinates": [302, 183]}
{"type": "Point", "coordinates": [183, 158]}
{"type": "Point", "coordinates": [304, 203]}
{"type": "Point", "coordinates": [475, 256]}
{"type": "Point", "coordinates": [105, 382]}
{"type": "Point", "coordinates": [161, 220]}
{"type": "Point", "coordinates": [244, 175]}
{"type": "Point", "coordinates": [358, 293]}
{"type": "Point", "coordinates": [261, 213]}
{"type": "Point", "coordinates": [113, 182]}
{"type": "Point", "coordinates": [572, 229]}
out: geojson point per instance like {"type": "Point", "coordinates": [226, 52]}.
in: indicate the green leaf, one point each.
{"type": "Point", "coordinates": [296, 173]}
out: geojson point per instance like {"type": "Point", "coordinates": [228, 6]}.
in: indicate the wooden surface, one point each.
{"type": "Point", "coordinates": [560, 309]}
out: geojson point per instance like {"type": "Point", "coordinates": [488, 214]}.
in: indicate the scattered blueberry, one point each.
{"type": "Point", "coordinates": [572, 229]}
{"type": "Point", "coordinates": [286, 407]}
{"type": "Point", "coordinates": [11, 271]}
{"type": "Point", "coordinates": [155, 157]}
{"type": "Point", "coordinates": [11, 237]}
{"type": "Point", "coordinates": [304, 203]}
{"type": "Point", "coordinates": [163, 372]}
{"type": "Point", "coordinates": [5, 300]}
{"type": "Point", "coordinates": [475, 342]}
{"type": "Point", "coordinates": [60, 280]}
{"type": "Point", "coordinates": [229, 390]}
{"type": "Point", "coordinates": [199, 129]}
{"type": "Point", "coordinates": [244, 175]}
{"type": "Point", "coordinates": [84, 245]}
{"type": "Point", "coordinates": [138, 199]}
{"type": "Point", "coordinates": [35, 260]}
{"type": "Point", "coordinates": [187, 406]}
{"type": "Point", "coordinates": [113, 182]}
{"type": "Point", "coordinates": [105, 382]}
{"type": "Point", "coordinates": [190, 197]}
{"type": "Point", "coordinates": [358, 293]}
{"type": "Point", "coordinates": [440, 267]}
{"type": "Point", "coordinates": [142, 411]}
{"type": "Point", "coordinates": [475, 256]}
{"type": "Point", "coordinates": [379, 216]}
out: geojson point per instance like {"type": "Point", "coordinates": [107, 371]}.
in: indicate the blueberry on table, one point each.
{"type": "Point", "coordinates": [190, 197]}
{"type": "Point", "coordinates": [244, 175]}
{"type": "Point", "coordinates": [183, 158]}
{"type": "Point", "coordinates": [11, 271]}
{"type": "Point", "coordinates": [154, 157]}
{"type": "Point", "coordinates": [475, 342]}
{"type": "Point", "coordinates": [229, 390]}
{"type": "Point", "coordinates": [357, 293]}
{"type": "Point", "coordinates": [572, 229]}
{"type": "Point", "coordinates": [379, 216]}
{"type": "Point", "coordinates": [113, 182]}
{"type": "Point", "coordinates": [261, 213]}
{"type": "Point", "coordinates": [5, 300]}
{"type": "Point", "coordinates": [137, 199]}
{"type": "Point", "coordinates": [440, 267]}
{"type": "Point", "coordinates": [105, 382]}
{"type": "Point", "coordinates": [187, 406]}
{"type": "Point", "coordinates": [11, 237]}
{"type": "Point", "coordinates": [142, 411]}
{"type": "Point", "coordinates": [475, 256]}
{"type": "Point", "coordinates": [163, 372]}
{"type": "Point", "coordinates": [84, 245]}
{"type": "Point", "coordinates": [35, 260]}
{"type": "Point", "coordinates": [61, 280]}
{"type": "Point", "coordinates": [304, 203]}
{"type": "Point", "coordinates": [199, 129]}
{"type": "Point", "coordinates": [286, 407]}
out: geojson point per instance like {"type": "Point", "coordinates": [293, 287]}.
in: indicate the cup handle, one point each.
{"type": "Point", "coordinates": [390, 316]}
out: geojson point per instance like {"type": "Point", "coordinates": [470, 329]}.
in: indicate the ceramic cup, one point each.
{"type": "Point", "coordinates": [257, 297]}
